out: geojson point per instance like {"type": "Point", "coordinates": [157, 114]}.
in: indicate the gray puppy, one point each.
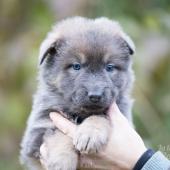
{"type": "Point", "coordinates": [85, 65]}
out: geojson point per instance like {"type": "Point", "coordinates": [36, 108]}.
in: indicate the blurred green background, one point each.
{"type": "Point", "coordinates": [23, 26]}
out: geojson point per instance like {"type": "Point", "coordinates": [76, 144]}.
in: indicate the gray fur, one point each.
{"type": "Point", "coordinates": [93, 43]}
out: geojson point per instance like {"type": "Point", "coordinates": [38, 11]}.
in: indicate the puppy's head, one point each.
{"type": "Point", "coordinates": [87, 62]}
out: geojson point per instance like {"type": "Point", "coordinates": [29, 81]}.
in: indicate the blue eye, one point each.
{"type": "Point", "coordinates": [76, 66]}
{"type": "Point", "coordinates": [110, 67]}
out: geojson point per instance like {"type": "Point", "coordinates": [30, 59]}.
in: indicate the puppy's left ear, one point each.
{"type": "Point", "coordinates": [129, 43]}
{"type": "Point", "coordinates": [131, 51]}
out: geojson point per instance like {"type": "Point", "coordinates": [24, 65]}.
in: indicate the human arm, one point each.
{"type": "Point", "coordinates": [125, 147]}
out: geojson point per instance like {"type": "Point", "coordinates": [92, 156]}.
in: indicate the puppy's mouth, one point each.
{"type": "Point", "coordinates": [94, 108]}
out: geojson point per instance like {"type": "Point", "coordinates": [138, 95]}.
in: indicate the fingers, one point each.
{"type": "Point", "coordinates": [63, 124]}
{"type": "Point", "coordinates": [43, 149]}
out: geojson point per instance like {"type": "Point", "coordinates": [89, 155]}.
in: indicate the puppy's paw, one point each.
{"type": "Point", "coordinates": [58, 152]}
{"type": "Point", "coordinates": [92, 134]}
{"type": "Point", "coordinates": [64, 162]}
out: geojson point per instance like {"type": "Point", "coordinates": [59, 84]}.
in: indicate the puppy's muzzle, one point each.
{"type": "Point", "coordinates": [95, 97]}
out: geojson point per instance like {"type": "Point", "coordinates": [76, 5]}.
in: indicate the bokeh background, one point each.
{"type": "Point", "coordinates": [23, 26]}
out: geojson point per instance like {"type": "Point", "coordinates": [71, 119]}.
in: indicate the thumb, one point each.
{"type": "Point", "coordinates": [115, 115]}
{"type": "Point", "coordinates": [63, 124]}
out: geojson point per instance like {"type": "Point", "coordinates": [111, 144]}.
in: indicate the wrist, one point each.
{"type": "Point", "coordinates": [143, 159]}
{"type": "Point", "coordinates": [132, 158]}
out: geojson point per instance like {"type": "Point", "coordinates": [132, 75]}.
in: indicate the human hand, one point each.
{"type": "Point", "coordinates": [123, 149]}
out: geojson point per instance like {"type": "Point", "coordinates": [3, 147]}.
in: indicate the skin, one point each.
{"type": "Point", "coordinates": [117, 154]}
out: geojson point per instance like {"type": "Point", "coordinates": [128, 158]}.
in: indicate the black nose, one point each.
{"type": "Point", "coordinates": [95, 98]}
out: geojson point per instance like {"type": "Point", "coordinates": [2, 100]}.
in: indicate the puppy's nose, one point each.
{"type": "Point", "coordinates": [94, 97]}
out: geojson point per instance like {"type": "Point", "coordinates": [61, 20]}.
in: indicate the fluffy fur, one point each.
{"type": "Point", "coordinates": [93, 44]}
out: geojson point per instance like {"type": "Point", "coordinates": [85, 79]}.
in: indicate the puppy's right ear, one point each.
{"type": "Point", "coordinates": [47, 50]}
{"type": "Point", "coordinates": [50, 52]}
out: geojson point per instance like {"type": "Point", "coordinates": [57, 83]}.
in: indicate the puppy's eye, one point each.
{"type": "Point", "coordinates": [110, 67]}
{"type": "Point", "coordinates": [76, 66]}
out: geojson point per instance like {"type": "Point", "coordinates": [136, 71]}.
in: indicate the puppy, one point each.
{"type": "Point", "coordinates": [84, 65]}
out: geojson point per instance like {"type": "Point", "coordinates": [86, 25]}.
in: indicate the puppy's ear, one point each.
{"type": "Point", "coordinates": [128, 43]}
{"type": "Point", "coordinates": [131, 51]}
{"type": "Point", "coordinates": [49, 51]}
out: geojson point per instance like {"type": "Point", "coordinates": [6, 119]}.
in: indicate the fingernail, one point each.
{"type": "Point", "coordinates": [111, 107]}
{"type": "Point", "coordinates": [52, 115]}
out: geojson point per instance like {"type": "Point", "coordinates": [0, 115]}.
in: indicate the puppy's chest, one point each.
{"type": "Point", "coordinates": [75, 117]}
{"type": "Point", "coordinates": [79, 117]}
